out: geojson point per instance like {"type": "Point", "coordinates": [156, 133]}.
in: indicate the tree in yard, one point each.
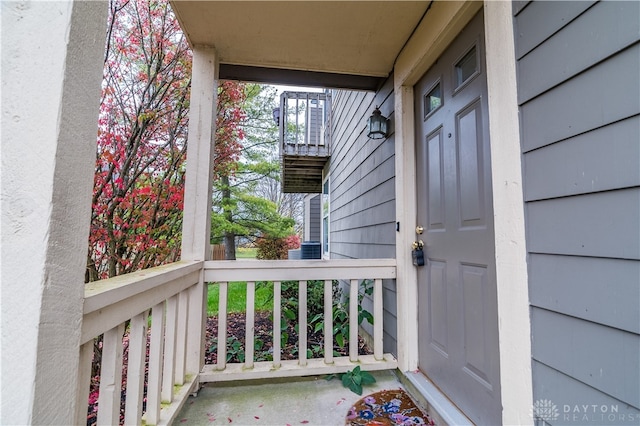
{"type": "Point", "coordinates": [246, 165]}
{"type": "Point", "coordinates": [227, 151]}
{"type": "Point", "coordinates": [136, 218]}
{"type": "Point", "coordinates": [263, 155]}
{"type": "Point", "coordinates": [141, 147]}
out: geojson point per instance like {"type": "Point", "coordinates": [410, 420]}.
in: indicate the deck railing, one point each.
{"type": "Point", "coordinates": [299, 271]}
{"type": "Point", "coordinates": [305, 140]}
{"type": "Point", "coordinates": [128, 306]}
{"type": "Point", "coordinates": [159, 312]}
{"type": "Point", "coordinates": [305, 124]}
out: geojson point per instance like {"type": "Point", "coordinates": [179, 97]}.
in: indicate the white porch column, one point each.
{"type": "Point", "coordinates": [406, 207]}
{"type": "Point", "coordinates": [196, 227]}
{"type": "Point", "coordinates": [52, 62]}
{"type": "Point", "coordinates": [508, 207]}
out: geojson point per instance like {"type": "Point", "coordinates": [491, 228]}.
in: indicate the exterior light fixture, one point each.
{"type": "Point", "coordinates": [276, 116]}
{"type": "Point", "coordinates": [378, 125]}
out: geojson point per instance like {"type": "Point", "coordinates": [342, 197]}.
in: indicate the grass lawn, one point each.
{"type": "Point", "coordinates": [246, 253]}
{"type": "Point", "coordinates": [237, 297]}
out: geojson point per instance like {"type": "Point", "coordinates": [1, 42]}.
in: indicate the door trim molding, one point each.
{"type": "Point", "coordinates": [438, 29]}
{"type": "Point", "coordinates": [445, 410]}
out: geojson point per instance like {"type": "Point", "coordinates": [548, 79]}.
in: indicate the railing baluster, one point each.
{"type": "Point", "coordinates": [156, 353]}
{"type": "Point", "coordinates": [181, 338]}
{"type": "Point", "coordinates": [249, 325]}
{"type": "Point", "coordinates": [283, 123]}
{"type": "Point", "coordinates": [169, 364]}
{"type": "Point", "coordinates": [307, 124]}
{"type": "Point", "coordinates": [111, 376]}
{"type": "Point", "coordinates": [84, 382]}
{"type": "Point", "coordinates": [353, 321]}
{"type": "Point", "coordinates": [222, 326]}
{"type": "Point", "coordinates": [318, 124]}
{"type": "Point", "coordinates": [328, 321]}
{"type": "Point", "coordinates": [297, 123]}
{"type": "Point", "coordinates": [195, 329]}
{"type": "Point", "coordinates": [277, 311]}
{"type": "Point", "coordinates": [378, 315]}
{"type": "Point", "coordinates": [302, 323]}
{"type": "Point", "coordinates": [135, 369]}
{"type": "Point", "coordinates": [328, 127]}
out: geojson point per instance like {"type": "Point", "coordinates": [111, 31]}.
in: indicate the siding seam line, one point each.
{"type": "Point", "coordinates": [583, 383]}
{"type": "Point", "coordinates": [542, 308]}
{"type": "Point", "coordinates": [568, 23]}
{"type": "Point", "coordinates": [602, 191]}
{"type": "Point", "coordinates": [583, 71]}
{"type": "Point", "coordinates": [583, 133]}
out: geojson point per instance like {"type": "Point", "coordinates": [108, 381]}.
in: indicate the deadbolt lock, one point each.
{"type": "Point", "coordinates": [419, 230]}
{"type": "Point", "coordinates": [417, 253]}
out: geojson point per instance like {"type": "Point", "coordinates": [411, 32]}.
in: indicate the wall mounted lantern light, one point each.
{"type": "Point", "coordinates": [378, 125]}
{"type": "Point", "coordinates": [276, 116]}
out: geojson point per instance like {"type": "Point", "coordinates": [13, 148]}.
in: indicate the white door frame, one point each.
{"type": "Point", "coordinates": [442, 23]}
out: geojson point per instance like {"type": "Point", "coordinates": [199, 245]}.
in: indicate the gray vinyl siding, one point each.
{"type": "Point", "coordinates": [578, 67]}
{"type": "Point", "coordinates": [313, 216]}
{"type": "Point", "coordinates": [362, 188]}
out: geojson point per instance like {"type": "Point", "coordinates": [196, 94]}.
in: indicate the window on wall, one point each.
{"type": "Point", "coordinates": [325, 218]}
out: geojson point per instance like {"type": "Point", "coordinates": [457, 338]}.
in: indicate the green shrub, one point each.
{"type": "Point", "coordinates": [315, 310]}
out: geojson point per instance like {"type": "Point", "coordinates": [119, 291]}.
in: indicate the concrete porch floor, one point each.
{"type": "Point", "coordinates": [312, 401]}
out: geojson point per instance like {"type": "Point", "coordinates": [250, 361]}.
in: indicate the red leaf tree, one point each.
{"type": "Point", "coordinates": [138, 192]}
{"type": "Point", "coordinates": [142, 139]}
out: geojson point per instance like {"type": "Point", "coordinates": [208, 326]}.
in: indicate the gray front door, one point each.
{"type": "Point", "coordinates": [458, 322]}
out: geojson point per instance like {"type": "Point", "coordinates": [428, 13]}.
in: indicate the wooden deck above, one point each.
{"type": "Point", "coordinates": [302, 174]}
{"type": "Point", "coordinates": [305, 140]}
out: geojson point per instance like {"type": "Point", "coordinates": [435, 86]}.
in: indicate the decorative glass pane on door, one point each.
{"type": "Point", "coordinates": [432, 100]}
{"type": "Point", "coordinates": [466, 67]}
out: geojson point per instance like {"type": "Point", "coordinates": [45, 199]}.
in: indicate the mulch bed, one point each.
{"type": "Point", "coordinates": [262, 333]}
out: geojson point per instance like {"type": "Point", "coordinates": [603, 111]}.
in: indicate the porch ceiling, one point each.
{"type": "Point", "coordinates": [355, 38]}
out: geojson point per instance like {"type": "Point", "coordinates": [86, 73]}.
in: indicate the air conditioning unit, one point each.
{"type": "Point", "coordinates": [310, 250]}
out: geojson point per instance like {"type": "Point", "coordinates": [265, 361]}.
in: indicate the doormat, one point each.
{"type": "Point", "coordinates": [387, 407]}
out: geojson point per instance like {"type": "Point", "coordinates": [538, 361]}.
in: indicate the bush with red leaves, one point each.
{"type": "Point", "coordinates": [269, 248]}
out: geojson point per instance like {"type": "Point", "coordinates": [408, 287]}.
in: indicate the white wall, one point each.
{"type": "Point", "coordinates": [51, 71]}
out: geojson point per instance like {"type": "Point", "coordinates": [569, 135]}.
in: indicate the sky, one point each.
{"type": "Point", "coordinates": [281, 88]}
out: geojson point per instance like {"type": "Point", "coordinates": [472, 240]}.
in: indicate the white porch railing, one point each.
{"type": "Point", "coordinates": [157, 298]}
{"type": "Point", "coordinates": [164, 300]}
{"type": "Point", "coordinates": [300, 271]}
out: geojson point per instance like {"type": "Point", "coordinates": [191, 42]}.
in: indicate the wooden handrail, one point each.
{"type": "Point", "coordinates": [109, 302]}
{"type": "Point", "coordinates": [98, 294]}
{"type": "Point", "coordinates": [293, 270]}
